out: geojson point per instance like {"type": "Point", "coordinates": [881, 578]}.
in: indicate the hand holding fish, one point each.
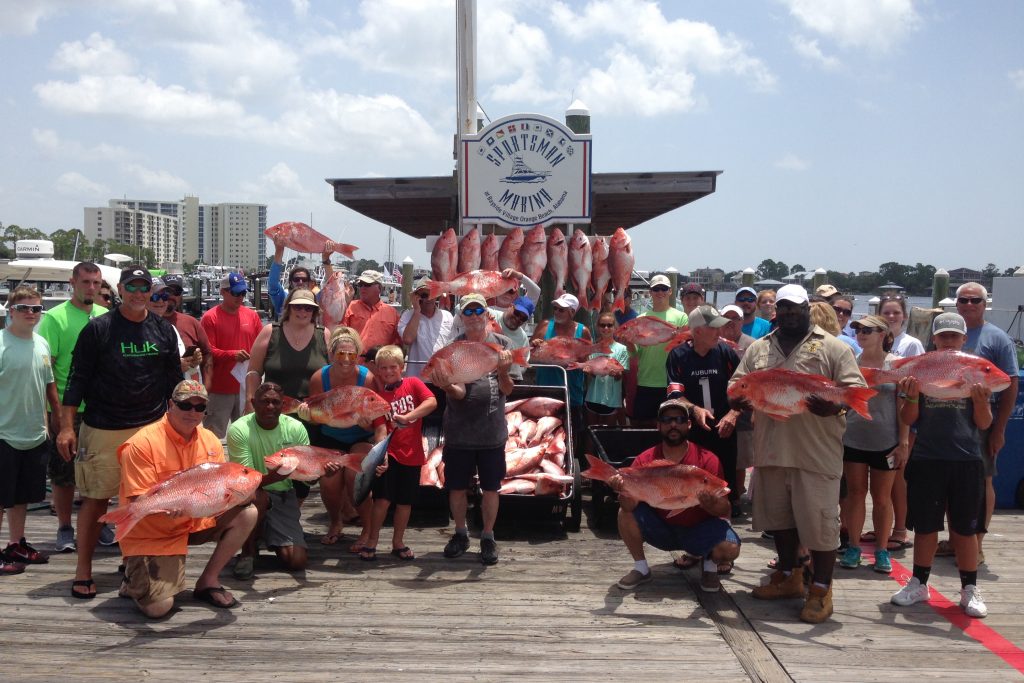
{"type": "Point", "coordinates": [702, 417]}
{"type": "Point", "coordinates": [822, 407]}
{"type": "Point", "coordinates": [511, 273]}
{"type": "Point", "coordinates": [504, 361]}
{"type": "Point", "coordinates": [980, 392]}
{"type": "Point", "coordinates": [909, 388]}
{"type": "Point", "coordinates": [740, 403]}
{"type": "Point", "coordinates": [381, 468]}
{"type": "Point", "coordinates": [727, 425]}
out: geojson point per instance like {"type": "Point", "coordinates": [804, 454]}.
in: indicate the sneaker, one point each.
{"type": "Point", "coordinates": [851, 558]}
{"type": "Point", "coordinates": [971, 602]}
{"type": "Point", "coordinates": [709, 582]}
{"type": "Point", "coordinates": [818, 606]}
{"type": "Point", "coordinates": [65, 540]}
{"type": "Point", "coordinates": [21, 552]}
{"type": "Point", "coordinates": [883, 563]}
{"type": "Point", "coordinates": [633, 579]}
{"type": "Point", "coordinates": [457, 545]}
{"type": "Point", "coordinates": [107, 535]}
{"type": "Point", "coordinates": [488, 551]}
{"type": "Point", "coordinates": [780, 586]}
{"type": "Point", "coordinates": [913, 593]}
{"type": "Point", "coordinates": [8, 568]}
{"type": "Point", "coordinates": [244, 567]}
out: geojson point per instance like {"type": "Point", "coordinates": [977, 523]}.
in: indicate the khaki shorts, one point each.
{"type": "Point", "coordinates": [744, 449]}
{"type": "Point", "coordinates": [97, 471]}
{"type": "Point", "coordinates": [152, 578]}
{"type": "Point", "coordinates": [221, 411]}
{"type": "Point", "coordinates": [788, 498]}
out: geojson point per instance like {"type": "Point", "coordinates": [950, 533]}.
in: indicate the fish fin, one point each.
{"type": "Point", "coordinates": [857, 399]}
{"type": "Point", "coordinates": [290, 405]}
{"type": "Point", "coordinates": [573, 365]}
{"type": "Point", "coordinates": [661, 462]}
{"type": "Point", "coordinates": [354, 461]}
{"type": "Point", "coordinates": [677, 511]}
{"type": "Point", "coordinates": [521, 356]}
{"type": "Point", "coordinates": [778, 417]}
{"type": "Point", "coordinates": [434, 288]}
{"type": "Point", "coordinates": [598, 469]}
{"type": "Point", "coordinates": [619, 305]}
{"type": "Point", "coordinates": [595, 303]}
{"type": "Point", "coordinates": [346, 250]}
{"type": "Point", "coordinates": [947, 383]}
{"type": "Point", "coordinates": [679, 339]}
{"type": "Point", "coordinates": [876, 376]}
{"type": "Point", "coordinates": [124, 518]}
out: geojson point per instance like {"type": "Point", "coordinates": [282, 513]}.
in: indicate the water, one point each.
{"type": "Point", "coordinates": [860, 304]}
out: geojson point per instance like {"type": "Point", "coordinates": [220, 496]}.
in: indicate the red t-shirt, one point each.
{"type": "Point", "coordinates": [228, 333]}
{"type": "Point", "coordinates": [696, 456]}
{"type": "Point", "coordinates": [407, 443]}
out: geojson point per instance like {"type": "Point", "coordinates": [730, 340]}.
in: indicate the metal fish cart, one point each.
{"type": "Point", "coordinates": [617, 446]}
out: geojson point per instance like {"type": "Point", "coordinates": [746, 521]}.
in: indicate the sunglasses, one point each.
{"type": "Point", "coordinates": [299, 280]}
{"type": "Point", "coordinates": [468, 312]}
{"type": "Point", "coordinates": [105, 297]}
{"type": "Point", "coordinates": [346, 355]}
{"type": "Point", "coordinates": [606, 325]}
{"type": "Point", "coordinates": [27, 308]}
{"type": "Point", "coordinates": [186, 406]}
{"type": "Point", "coordinates": [659, 289]}
{"type": "Point", "coordinates": [746, 299]}
{"type": "Point", "coordinates": [842, 311]}
{"type": "Point", "coordinates": [969, 300]}
{"type": "Point", "coordinates": [677, 419]}
{"type": "Point", "coordinates": [424, 295]}
{"type": "Point", "coordinates": [868, 330]}
{"type": "Point", "coordinates": [162, 296]}
{"type": "Point", "coordinates": [304, 307]}
{"type": "Point", "coordinates": [138, 288]}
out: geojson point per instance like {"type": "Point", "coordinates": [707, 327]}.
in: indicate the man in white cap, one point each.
{"type": "Point", "coordinates": [374, 320]}
{"type": "Point", "coordinates": [425, 328]}
{"type": "Point", "coordinates": [746, 299]}
{"type": "Point", "coordinates": [651, 377]}
{"type": "Point", "coordinates": [798, 462]}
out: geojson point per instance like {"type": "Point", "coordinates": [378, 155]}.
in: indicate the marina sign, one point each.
{"type": "Point", "coordinates": [525, 170]}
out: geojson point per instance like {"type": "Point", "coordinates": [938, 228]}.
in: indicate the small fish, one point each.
{"type": "Point", "coordinates": [780, 393]}
{"type": "Point", "coordinates": [205, 490]}
{"type": "Point", "coordinates": [466, 361]}
{"type": "Point", "coordinates": [508, 253]}
{"type": "Point", "coordinates": [309, 463]}
{"type": "Point", "coordinates": [620, 263]}
{"type": "Point", "coordinates": [600, 275]}
{"type": "Point", "coordinates": [469, 251]}
{"type": "Point", "coordinates": [662, 483]}
{"type": "Point", "coordinates": [547, 484]}
{"type": "Point", "coordinates": [444, 258]}
{"type": "Point", "coordinates": [565, 350]}
{"type": "Point", "coordinates": [333, 300]}
{"type": "Point", "coordinates": [432, 471]}
{"type": "Point", "coordinates": [646, 330]}
{"type": "Point", "coordinates": [537, 406]}
{"type": "Point", "coordinates": [942, 374]}
{"type": "Point", "coordinates": [489, 283]}
{"type": "Point", "coordinates": [533, 257]}
{"type": "Point", "coordinates": [512, 421]}
{"type": "Point", "coordinates": [340, 407]}
{"type": "Point", "coordinates": [517, 486]}
{"type": "Point", "coordinates": [581, 259]}
{"type": "Point", "coordinates": [601, 366]}
{"type": "Point", "coordinates": [551, 467]}
{"type": "Point", "coordinates": [489, 253]}
{"type": "Point", "coordinates": [558, 259]}
{"type": "Point", "coordinates": [545, 426]}
{"type": "Point", "coordinates": [306, 240]}
{"type": "Point", "coordinates": [523, 460]}
{"type": "Point", "coordinates": [527, 428]}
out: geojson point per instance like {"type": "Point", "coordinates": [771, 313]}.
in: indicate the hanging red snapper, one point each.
{"type": "Point", "coordinates": [489, 253]}
{"type": "Point", "coordinates": [620, 263]}
{"type": "Point", "coordinates": [580, 264]}
{"type": "Point", "coordinates": [533, 256]}
{"type": "Point", "coordinates": [508, 253]}
{"type": "Point", "coordinates": [600, 275]}
{"type": "Point", "coordinates": [558, 259]}
{"type": "Point", "coordinates": [444, 258]}
{"type": "Point", "coordinates": [469, 251]}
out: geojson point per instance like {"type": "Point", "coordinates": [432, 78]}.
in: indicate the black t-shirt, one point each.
{"type": "Point", "coordinates": [705, 379]}
{"type": "Point", "coordinates": [124, 371]}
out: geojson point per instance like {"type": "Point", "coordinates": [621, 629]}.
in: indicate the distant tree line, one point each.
{"type": "Point", "coordinates": [64, 245]}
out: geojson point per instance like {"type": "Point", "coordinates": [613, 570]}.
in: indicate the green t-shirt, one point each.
{"type": "Point", "coordinates": [24, 373]}
{"type": "Point", "coordinates": [249, 444]}
{"type": "Point", "coordinates": [651, 371]}
{"type": "Point", "coordinates": [60, 328]}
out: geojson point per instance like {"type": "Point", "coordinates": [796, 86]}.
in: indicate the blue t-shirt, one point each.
{"type": "Point", "coordinates": [757, 328]}
{"type": "Point", "coordinates": [851, 342]}
{"type": "Point", "coordinates": [995, 346]}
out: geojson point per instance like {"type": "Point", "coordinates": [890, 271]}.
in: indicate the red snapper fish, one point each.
{"type": "Point", "coordinates": [523, 460]}
{"type": "Point", "coordinates": [489, 253]}
{"type": "Point", "coordinates": [942, 374]}
{"type": "Point", "coordinates": [565, 350]}
{"type": "Point", "coordinates": [601, 366]}
{"type": "Point", "coordinates": [340, 407]}
{"type": "Point", "coordinates": [558, 259]}
{"type": "Point", "coordinates": [780, 393]}
{"type": "Point", "coordinates": [205, 490]}
{"type": "Point", "coordinates": [309, 463]}
{"type": "Point", "coordinates": [306, 240]}
{"type": "Point", "coordinates": [581, 260]}
{"type": "Point", "coordinates": [536, 407]}
{"type": "Point", "coordinates": [546, 483]}
{"type": "Point", "coordinates": [469, 251]}
{"type": "Point", "coordinates": [508, 253]}
{"type": "Point", "coordinates": [522, 487]}
{"type": "Point", "coordinates": [662, 484]}
{"type": "Point", "coordinates": [647, 330]}
{"type": "Point", "coordinates": [444, 258]}
{"type": "Point", "coordinates": [333, 300]}
{"type": "Point", "coordinates": [600, 275]}
{"type": "Point", "coordinates": [533, 257]}
{"type": "Point", "coordinates": [489, 283]}
{"type": "Point", "coordinates": [620, 263]}
{"type": "Point", "coordinates": [468, 361]}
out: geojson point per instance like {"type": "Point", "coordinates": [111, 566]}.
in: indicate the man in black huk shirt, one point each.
{"type": "Point", "coordinates": [124, 366]}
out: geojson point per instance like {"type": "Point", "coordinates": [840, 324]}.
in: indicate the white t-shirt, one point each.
{"type": "Point", "coordinates": [906, 346]}
{"type": "Point", "coordinates": [431, 334]}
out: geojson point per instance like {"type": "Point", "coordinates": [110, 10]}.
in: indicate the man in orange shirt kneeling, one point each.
{"type": "Point", "coordinates": [155, 549]}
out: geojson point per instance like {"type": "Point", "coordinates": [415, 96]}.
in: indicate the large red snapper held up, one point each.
{"type": "Point", "coordinates": [647, 330]}
{"type": "Point", "coordinates": [489, 253]}
{"type": "Point", "coordinates": [662, 484]}
{"type": "Point", "coordinates": [489, 283]}
{"type": "Point", "coordinates": [600, 275]}
{"type": "Point", "coordinates": [565, 350]}
{"type": "Point", "coordinates": [306, 240]}
{"type": "Point", "coordinates": [468, 361]}
{"type": "Point", "coordinates": [601, 366]}
{"type": "Point", "coordinates": [780, 393]}
{"type": "Point", "coordinates": [309, 463]}
{"type": "Point", "coordinates": [620, 263]}
{"type": "Point", "coordinates": [533, 257]}
{"type": "Point", "coordinates": [581, 259]}
{"type": "Point", "coordinates": [558, 259]}
{"type": "Point", "coordinates": [205, 490]}
{"type": "Point", "coordinates": [444, 258]}
{"type": "Point", "coordinates": [340, 407]}
{"type": "Point", "coordinates": [508, 252]}
{"type": "Point", "coordinates": [942, 374]}
{"type": "Point", "coordinates": [469, 251]}
{"type": "Point", "coordinates": [333, 300]}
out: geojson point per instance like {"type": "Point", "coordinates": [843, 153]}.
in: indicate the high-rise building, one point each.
{"type": "Point", "coordinates": [140, 228]}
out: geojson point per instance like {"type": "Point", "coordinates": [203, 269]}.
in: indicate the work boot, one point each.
{"type": "Point", "coordinates": [780, 586]}
{"type": "Point", "coordinates": [818, 606]}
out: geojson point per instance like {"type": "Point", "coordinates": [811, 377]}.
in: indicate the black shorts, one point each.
{"type": "Point", "coordinates": [935, 486]}
{"type": "Point", "coordinates": [599, 408]}
{"type": "Point", "coordinates": [60, 471]}
{"type": "Point", "coordinates": [22, 474]}
{"type": "Point", "coordinates": [400, 483]}
{"type": "Point", "coordinates": [647, 402]}
{"type": "Point", "coordinates": [724, 450]}
{"type": "Point", "coordinates": [873, 459]}
{"type": "Point", "coordinates": [461, 463]}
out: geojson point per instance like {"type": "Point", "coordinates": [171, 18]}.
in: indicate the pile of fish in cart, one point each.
{"type": "Point", "coordinates": [542, 477]}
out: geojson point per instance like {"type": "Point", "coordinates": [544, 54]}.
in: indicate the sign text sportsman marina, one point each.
{"type": "Point", "coordinates": [524, 170]}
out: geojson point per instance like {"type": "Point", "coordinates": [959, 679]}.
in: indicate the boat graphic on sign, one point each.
{"type": "Point", "coordinates": [521, 173]}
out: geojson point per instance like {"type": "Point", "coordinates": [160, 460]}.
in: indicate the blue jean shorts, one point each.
{"type": "Point", "coordinates": [696, 540]}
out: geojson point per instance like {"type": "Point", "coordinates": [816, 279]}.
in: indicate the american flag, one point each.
{"type": "Point", "coordinates": [397, 274]}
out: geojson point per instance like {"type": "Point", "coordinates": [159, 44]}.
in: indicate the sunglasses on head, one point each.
{"type": "Point", "coordinates": [162, 296]}
{"type": "Point", "coordinates": [842, 311]}
{"type": "Point", "coordinates": [144, 287]}
{"type": "Point", "coordinates": [892, 297]}
{"type": "Point", "coordinates": [27, 308]}
{"type": "Point", "coordinates": [669, 419]}
{"type": "Point", "coordinates": [473, 311]}
{"type": "Point", "coordinates": [746, 299]}
{"type": "Point", "coordinates": [969, 300]}
{"type": "Point", "coordinates": [186, 406]}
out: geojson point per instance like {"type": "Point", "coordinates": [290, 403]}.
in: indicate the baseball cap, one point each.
{"type": "Point", "coordinates": [473, 298]}
{"type": "Point", "coordinates": [793, 293]}
{"type": "Point", "coordinates": [826, 291]}
{"type": "Point", "coordinates": [524, 305]}
{"type": "Point", "coordinates": [949, 322]}
{"type": "Point", "coordinates": [135, 273]}
{"type": "Point", "coordinates": [234, 282]}
{"type": "Point", "coordinates": [674, 403]}
{"type": "Point", "coordinates": [870, 321]}
{"type": "Point", "coordinates": [189, 388]}
{"type": "Point", "coordinates": [660, 281]}
{"type": "Point", "coordinates": [746, 289]}
{"type": "Point", "coordinates": [158, 284]}
{"type": "Point", "coordinates": [370, 277]}
{"type": "Point", "coordinates": [732, 308]}
{"type": "Point", "coordinates": [567, 301]}
{"type": "Point", "coordinates": [691, 288]}
{"type": "Point", "coordinates": [304, 297]}
{"type": "Point", "coordinates": [706, 316]}
{"type": "Point", "coordinates": [174, 280]}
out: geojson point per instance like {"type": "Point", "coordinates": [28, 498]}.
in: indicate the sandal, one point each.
{"type": "Point", "coordinates": [206, 595]}
{"type": "Point", "coordinates": [331, 538]}
{"type": "Point", "coordinates": [403, 553]}
{"type": "Point", "coordinates": [725, 567]}
{"type": "Point", "coordinates": [868, 537]}
{"type": "Point", "coordinates": [944, 549]}
{"type": "Point", "coordinates": [367, 554]}
{"type": "Point", "coordinates": [895, 544]}
{"type": "Point", "coordinates": [686, 561]}
{"type": "Point", "coordinates": [87, 584]}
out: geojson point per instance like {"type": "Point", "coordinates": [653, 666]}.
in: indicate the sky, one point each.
{"type": "Point", "coordinates": [849, 132]}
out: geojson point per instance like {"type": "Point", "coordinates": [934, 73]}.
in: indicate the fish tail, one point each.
{"type": "Point", "coordinates": [619, 305]}
{"type": "Point", "coordinates": [434, 289]}
{"type": "Point", "coordinates": [290, 405]}
{"type": "Point", "coordinates": [521, 356]}
{"type": "Point", "coordinates": [598, 469]}
{"type": "Point", "coordinates": [123, 518]}
{"type": "Point", "coordinates": [877, 376]}
{"type": "Point", "coordinates": [857, 399]}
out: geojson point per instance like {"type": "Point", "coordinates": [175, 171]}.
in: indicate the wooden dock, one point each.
{"type": "Point", "coordinates": [548, 611]}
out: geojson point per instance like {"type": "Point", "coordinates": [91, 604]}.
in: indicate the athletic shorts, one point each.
{"type": "Point", "coordinates": [647, 402]}
{"type": "Point", "coordinates": [744, 449]}
{"type": "Point", "coordinates": [61, 471]}
{"type": "Point", "coordinates": [989, 462]}
{"type": "Point", "coordinates": [698, 540]}
{"type": "Point", "coordinates": [935, 486]}
{"type": "Point", "coordinates": [790, 498]}
{"type": "Point", "coordinates": [599, 408]}
{"type": "Point", "coordinates": [873, 459]}
{"type": "Point", "coordinates": [22, 474]}
{"type": "Point", "coordinates": [460, 464]}
{"type": "Point", "coordinates": [221, 411]}
{"type": "Point", "coordinates": [400, 483]}
{"type": "Point", "coordinates": [281, 522]}
{"type": "Point", "coordinates": [97, 470]}
{"type": "Point", "coordinates": [152, 578]}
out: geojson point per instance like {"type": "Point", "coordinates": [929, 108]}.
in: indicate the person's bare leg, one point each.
{"type": "Point", "coordinates": [293, 558]}
{"type": "Point", "coordinates": [16, 522]}
{"type": "Point", "coordinates": [331, 492]}
{"type": "Point", "coordinates": [88, 533]}
{"type": "Point", "coordinates": [378, 512]}
{"type": "Point", "coordinates": [251, 545]}
{"type": "Point", "coordinates": [63, 498]}
{"type": "Point", "coordinates": [489, 509]}
{"type": "Point", "coordinates": [854, 504]}
{"type": "Point", "coordinates": [881, 505]}
{"type": "Point", "coordinates": [399, 525]}
{"type": "Point", "coordinates": [233, 527]}
{"type": "Point", "coordinates": [629, 532]}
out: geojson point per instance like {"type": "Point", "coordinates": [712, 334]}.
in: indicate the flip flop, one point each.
{"type": "Point", "coordinates": [685, 562]}
{"type": "Point", "coordinates": [332, 538]}
{"type": "Point", "coordinates": [893, 545]}
{"type": "Point", "coordinates": [944, 549]}
{"type": "Point", "coordinates": [368, 554]}
{"type": "Point", "coordinates": [206, 595]}
{"type": "Point", "coordinates": [83, 583]}
{"type": "Point", "coordinates": [403, 553]}
{"type": "Point", "coordinates": [356, 548]}
{"type": "Point", "coordinates": [868, 537]}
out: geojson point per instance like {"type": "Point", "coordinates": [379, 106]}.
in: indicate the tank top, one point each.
{"type": "Point", "coordinates": [290, 367]}
{"type": "Point", "coordinates": [551, 377]}
{"type": "Point", "coordinates": [347, 435]}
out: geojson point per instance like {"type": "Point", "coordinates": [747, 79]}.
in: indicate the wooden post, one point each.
{"type": "Point", "coordinates": [820, 275]}
{"type": "Point", "coordinates": [673, 279]}
{"type": "Point", "coordinates": [748, 278]}
{"type": "Point", "coordinates": [940, 287]}
{"type": "Point", "coordinates": [407, 266]}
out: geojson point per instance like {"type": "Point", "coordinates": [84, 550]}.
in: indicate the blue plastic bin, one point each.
{"type": "Point", "coordinates": [1009, 480]}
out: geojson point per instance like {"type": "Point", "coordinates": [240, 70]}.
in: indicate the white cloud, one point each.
{"type": "Point", "coordinates": [46, 140]}
{"type": "Point", "coordinates": [74, 184]}
{"type": "Point", "coordinates": [96, 55]}
{"type": "Point", "coordinates": [1017, 78]}
{"type": "Point", "coordinates": [629, 86]}
{"type": "Point", "coordinates": [876, 25]}
{"type": "Point", "coordinates": [52, 144]}
{"type": "Point", "coordinates": [791, 162]}
{"type": "Point", "coordinates": [157, 182]}
{"type": "Point", "coordinates": [809, 49]}
{"type": "Point", "coordinates": [279, 181]}
{"type": "Point", "coordinates": [22, 17]}
{"type": "Point", "coordinates": [300, 7]}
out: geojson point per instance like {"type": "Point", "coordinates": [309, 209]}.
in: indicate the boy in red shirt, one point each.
{"type": "Point", "coordinates": [410, 401]}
